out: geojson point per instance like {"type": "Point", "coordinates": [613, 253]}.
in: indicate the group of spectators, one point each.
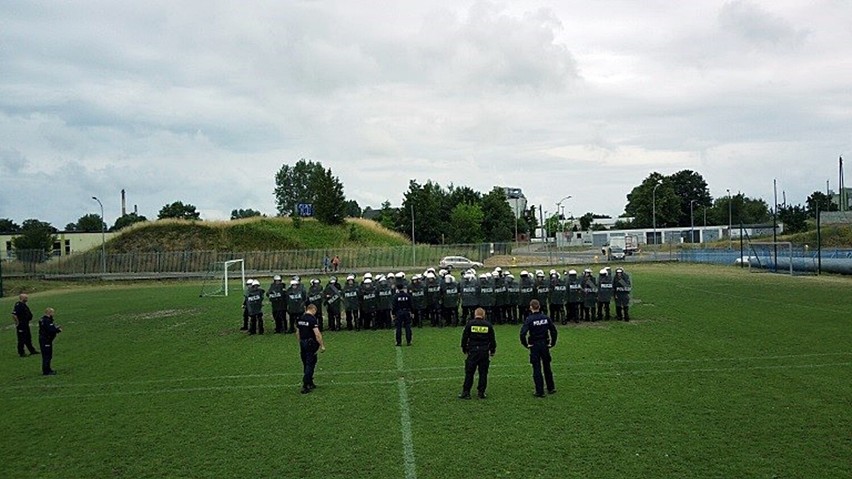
{"type": "Point", "coordinates": [439, 299]}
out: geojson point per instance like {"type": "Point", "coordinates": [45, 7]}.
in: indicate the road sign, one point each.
{"type": "Point", "coordinates": [305, 209]}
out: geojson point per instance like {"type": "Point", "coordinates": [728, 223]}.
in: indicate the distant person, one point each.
{"type": "Point", "coordinates": [297, 298]}
{"type": "Point", "coordinates": [278, 297]}
{"type": "Point", "coordinates": [47, 331]}
{"type": "Point", "coordinates": [254, 305]}
{"type": "Point", "coordinates": [333, 296]}
{"type": "Point", "coordinates": [479, 344]}
{"type": "Point", "coordinates": [542, 336]}
{"type": "Point", "coordinates": [621, 284]}
{"type": "Point", "coordinates": [604, 294]}
{"type": "Point", "coordinates": [22, 316]}
{"type": "Point", "coordinates": [310, 341]}
{"type": "Point", "coordinates": [402, 312]}
{"type": "Point", "coordinates": [245, 311]}
{"type": "Point", "coordinates": [326, 264]}
{"type": "Point", "coordinates": [335, 263]}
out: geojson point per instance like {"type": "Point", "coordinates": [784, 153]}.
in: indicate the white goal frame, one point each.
{"type": "Point", "coordinates": [226, 268]}
{"type": "Point", "coordinates": [786, 244]}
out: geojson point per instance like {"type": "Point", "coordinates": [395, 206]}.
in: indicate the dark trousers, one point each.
{"type": "Point", "coordinates": [245, 320]}
{"type": "Point", "coordinates": [574, 312]}
{"type": "Point", "coordinates": [512, 314]}
{"type": "Point", "coordinates": [434, 314]}
{"type": "Point", "coordinates": [25, 339]}
{"type": "Point", "coordinates": [476, 360]}
{"type": "Point", "coordinates": [467, 313]}
{"type": "Point", "coordinates": [621, 312]}
{"type": "Point", "coordinates": [280, 320]}
{"type": "Point", "coordinates": [292, 318]}
{"type": "Point", "coordinates": [587, 313]}
{"type": "Point", "coordinates": [523, 312]}
{"type": "Point", "coordinates": [540, 360]}
{"type": "Point", "coordinates": [383, 319]}
{"type": "Point", "coordinates": [403, 320]}
{"type": "Point", "coordinates": [368, 318]}
{"type": "Point", "coordinates": [256, 323]}
{"type": "Point", "coordinates": [308, 351]}
{"type": "Point", "coordinates": [352, 319]}
{"type": "Point", "coordinates": [603, 310]}
{"type": "Point", "coordinates": [497, 314]}
{"type": "Point", "coordinates": [557, 313]}
{"type": "Point", "coordinates": [333, 319]}
{"type": "Point", "coordinates": [419, 316]}
{"type": "Point", "coordinates": [46, 356]}
{"type": "Point", "coordinates": [451, 316]}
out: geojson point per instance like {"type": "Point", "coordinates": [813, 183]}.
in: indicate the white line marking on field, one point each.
{"type": "Point", "coordinates": [405, 419]}
{"type": "Point", "coordinates": [406, 413]}
{"type": "Point", "coordinates": [412, 370]}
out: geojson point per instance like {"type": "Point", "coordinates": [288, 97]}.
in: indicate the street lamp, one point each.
{"type": "Point", "coordinates": [517, 213]}
{"type": "Point", "coordinates": [413, 242]}
{"type": "Point", "coordinates": [558, 208]}
{"type": "Point", "coordinates": [103, 235]}
{"type": "Point", "coordinates": [730, 236]}
{"type": "Point", "coordinates": [691, 222]}
{"type": "Point", "coordinates": [654, 214]}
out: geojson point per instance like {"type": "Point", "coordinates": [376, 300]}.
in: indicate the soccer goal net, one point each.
{"type": "Point", "coordinates": [771, 256]}
{"type": "Point", "coordinates": [223, 276]}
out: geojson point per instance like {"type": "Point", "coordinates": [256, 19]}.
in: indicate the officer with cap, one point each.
{"type": "Point", "coordinates": [47, 331]}
{"type": "Point", "coordinates": [315, 297]}
{"type": "Point", "coordinates": [542, 336]}
{"type": "Point", "coordinates": [310, 341]}
{"type": "Point", "coordinates": [479, 344]}
{"type": "Point", "coordinates": [351, 302]}
{"type": "Point", "coordinates": [278, 298]}
{"type": "Point", "coordinates": [604, 294]}
{"type": "Point", "coordinates": [590, 294]}
{"type": "Point", "coordinates": [22, 316]}
{"type": "Point", "coordinates": [333, 297]}
{"type": "Point", "coordinates": [575, 296]}
{"type": "Point", "coordinates": [418, 299]}
{"type": "Point", "coordinates": [402, 312]}
{"type": "Point", "coordinates": [621, 284]}
{"type": "Point", "coordinates": [296, 300]}
{"type": "Point", "coordinates": [254, 305]}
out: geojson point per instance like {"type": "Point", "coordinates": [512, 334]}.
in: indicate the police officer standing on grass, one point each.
{"type": "Point", "coordinates": [542, 336]}
{"type": "Point", "coordinates": [310, 341]}
{"type": "Point", "coordinates": [513, 292]}
{"type": "Point", "coordinates": [385, 302]}
{"type": "Point", "coordinates": [22, 316]}
{"type": "Point", "coordinates": [254, 305]}
{"type": "Point", "coordinates": [558, 293]}
{"type": "Point", "coordinates": [418, 300]}
{"type": "Point", "coordinates": [245, 311]}
{"type": "Point", "coordinates": [47, 332]}
{"type": "Point", "coordinates": [469, 296]}
{"type": "Point", "coordinates": [402, 312]}
{"type": "Point", "coordinates": [315, 298]}
{"type": "Point", "coordinates": [351, 302]}
{"type": "Point", "coordinates": [590, 295]}
{"type": "Point", "coordinates": [278, 297]}
{"type": "Point", "coordinates": [450, 301]}
{"type": "Point", "coordinates": [296, 300]}
{"type": "Point", "coordinates": [604, 294]}
{"type": "Point", "coordinates": [479, 344]}
{"type": "Point", "coordinates": [621, 284]}
{"type": "Point", "coordinates": [369, 303]}
{"type": "Point", "coordinates": [526, 294]}
{"type": "Point", "coordinates": [575, 296]}
{"type": "Point", "coordinates": [333, 299]}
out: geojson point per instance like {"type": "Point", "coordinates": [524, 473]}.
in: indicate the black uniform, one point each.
{"type": "Point", "coordinates": [296, 298]}
{"type": "Point", "coordinates": [333, 302]}
{"type": "Point", "coordinates": [25, 337]}
{"type": "Point", "coordinates": [352, 305]}
{"type": "Point", "coordinates": [47, 332]}
{"type": "Point", "coordinates": [254, 306]}
{"type": "Point", "coordinates": [278, 297]}
{"type": "Point", "coordinates": [308, 347]}
{"type": "Point", "coordinates": [419, 302]}
{"type": "Point", "coordinates": [402, 311]}
{"type": "Point", "coordinates": [479, 343]}
{"type": "Point", "coordinates": [315, 297]}
{"type": "Point", "coordinates": [542, 336]}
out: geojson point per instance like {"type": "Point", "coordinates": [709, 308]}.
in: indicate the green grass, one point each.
{"type": "Point", "coordinates": [721, 374]}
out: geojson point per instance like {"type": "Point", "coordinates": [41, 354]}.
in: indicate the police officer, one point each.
{"type": "Point", "coordinates": [315, 297]}
{"type": "Point", "coordinates": [433, 297]}
{"type": "Point", "coordinates": [369, 304]}
{"type": "Point", "coordinates": [402, 312]}
{"type": "Point", "coordinates": [526, 295]}
{"type": "Point", "coordinates": [245, 311]}
{"type": "Point", "coordinates": [22, 316]}
{"type": "Point", "coordinates": [333, 297]}
{"type": "Point", "coordinates": [590, 295]}
{"type": "Point", "coordinates": [47, 332]}
{"type": "Point", "coordinates": [254, 306]}
{"type": "Point", "coordinates": [542, 336]}
{"type": "Point", "coordinates": [542, 290]}
{"type": "Point", "coordinates": [604, 294]}
{"type": "Point", "coordinates": [296, 300]}
{"type": "Point", "coordinates": [278, 298]}
{"type": "Point", "coordinates": [486, 295]}
{"type": "Point", "coordinates": [558, 293]}
{"type": "Point", "coordinates": [450, 301]}
{"type": "Point", "coordinates": [351, 302]}
{"type": "Point", "coordinates": [310, 341]}
{"type": "Point", "coordinates": [621, 284]}
{"type": "Point", "coordinates": [575, 296]}
{"type": "Point", "coordinates": [469, 296]}
{"type": "Point", "coordinates": [479, 344]}
{"type": "Point", "coordinates": [513, 292]}
{"type": "Point", "coordinates": [385, 302]}
{"type": "Point", "coordinates": [418, 299]}
{"type": "Point", "coordinates": [500, 297]}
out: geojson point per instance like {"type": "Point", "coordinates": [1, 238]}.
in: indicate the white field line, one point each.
{"type": "Point", "coordinates": [638, 372]}
{"type": "Point", "coordinates": [414, 370]}
{"type": "Point", "coordinates": [405, 419]}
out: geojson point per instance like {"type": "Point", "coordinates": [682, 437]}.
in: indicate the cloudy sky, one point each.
{"type": "Point", "coordinates": [203, 101]}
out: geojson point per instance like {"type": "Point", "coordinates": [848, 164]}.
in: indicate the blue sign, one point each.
{"type": "Point", "coordinates": [305, 209]}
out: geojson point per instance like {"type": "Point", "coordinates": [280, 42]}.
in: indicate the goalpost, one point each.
{"type": "Point", "coordinates": [217, 281]}
{"type": "Point", "coordinates": [771, 255]}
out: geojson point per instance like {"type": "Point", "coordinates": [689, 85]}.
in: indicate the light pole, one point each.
{"type": "Point", "coordinates": [517, 213]}
{"type": "Point", "coordinates": [103, 235]}
{"type": "Point", "coordinates": [691, 222]}
{"type": "Point", "coordinates": [730, 236]}
{"type": "Point", "coordinates": [413, 243]}
{"type": "Point", "coordinates": [654, 214]}
{"type": "Point", "coordinates": [558, 208]}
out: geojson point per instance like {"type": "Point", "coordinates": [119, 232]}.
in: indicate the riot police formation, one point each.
{"type": "Point", "coordinates": [604, 294]}
{"type": "Point", "coordinates": [621, 285]}
{"type": "Point", "coordinates": [590, 294]}
{"type": "Point", "coordinates": [254, 306]}
{"type": "Point", "coordinates": [558, 295]}
{"type": "Point", "coordinates": [333, 297]}
{"type": "Point", "coordinates": [352, 304]}
{"type": "Point", "coordinates": [278, 300]}
{"type": "Point", "coordinates": [575, 296]}
{"type": "Point", "coordinates": [315, 297]}
{"type": "Point", "coordinates": [450, 301]}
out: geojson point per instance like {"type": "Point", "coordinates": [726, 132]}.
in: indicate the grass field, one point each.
{"type": "Point", "coordinates": [722, 374]}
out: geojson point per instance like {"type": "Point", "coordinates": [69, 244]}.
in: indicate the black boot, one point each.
{"type": "Point", "coordinates": [626, 314]}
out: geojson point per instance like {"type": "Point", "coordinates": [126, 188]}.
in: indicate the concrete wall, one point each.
{"type": "Point", "coordinates": [66, 243]}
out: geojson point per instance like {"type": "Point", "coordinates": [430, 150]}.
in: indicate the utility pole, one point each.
{"type": "Point", "coordinates": [103, 235]}
{"type": "Point", "coordinates": [691, 222]}
{"type": "Point", "coordinates": [654, 215]}
{"type": "Point", "coordinates": [775, 226]}
{"type": "Point", "coordinates": [413, 242]}
{"type": "Point", "coordinates": [730, 233]}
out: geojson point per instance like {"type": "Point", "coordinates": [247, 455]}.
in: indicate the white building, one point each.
{"type": "Point", "coordinates": [517, 200]}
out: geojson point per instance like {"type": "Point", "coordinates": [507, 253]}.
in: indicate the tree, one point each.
{"type": "Point", "coordinates": [816, 201]}
{"type": "Point", "coordinates": [530, 219]}
{"type": "Point", "coordinates": [641, 204]}
{"type": "Point", "coordinates": [688, 186]}
{"type": "Point", "coordinates": [587, 220]}
{"type": "Point", "coordinates": [34, 239]}
{"type": "Point", "coordinates": [180, 211]}
{"type": "Point", "coordinates": [330, 202]}
{"type": "Point", "coordinates": [127, 220]}
{"type": "Point", "coordinates": [293, 186]}
{"type": "Point", "coordinates": [499, 222]}
{"type": "Point", "coordinates": [466, 224]}
{"type": "Point", "coordinates": [90, 223]}
{"type": "Point", "coordinates": [430, 220]}
{"type": "Point", "coordinates": [244, 213]}
{"type": "Point", "coordinates": [352, 209]}
{"type": "Point", "coordinates": [8, 226]}
{"type": "Point", "coordinates": [795, 218]}
{"type": "Point", "coordinates": [461, 194]}
{"type": "Point", "coordinates": [387, 216]}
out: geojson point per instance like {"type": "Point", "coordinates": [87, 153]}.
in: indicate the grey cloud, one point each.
{"type": "Point", "coordinates": [751, 22]}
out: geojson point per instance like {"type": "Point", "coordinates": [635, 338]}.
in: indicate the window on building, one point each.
{"type": "Point", "coordinates": [67, 246]}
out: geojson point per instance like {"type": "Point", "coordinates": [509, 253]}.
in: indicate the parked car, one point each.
{"type": "Point", "coordinates": [747, 260]}
{"type": "Point", "coordinates": [451, 262]}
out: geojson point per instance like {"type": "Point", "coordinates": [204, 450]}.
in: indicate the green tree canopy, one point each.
{"type": "Point", "coordinates": [387, 216]}
{"type": "Point", "coordinates": [688, 186]}
{"type": "Point", "coordinates": [430, 219]}
{"type": "Point", "coordinates": [9, 226]}
{"type": "Point", "coordinates": [353, 209]}
{"type": "Point", "coordinates": [179, 210]}
{"type": "Point", "coordinates": [127, 220]}
{"type": "Point", "coordinates": [466, 224]}
{"type": "Point", "coordinates": [816, 201]}
{"type": "Point", "coordinates": [330, 202]}
{"type": "Point", "coordinates": [499, 222]}
{"type": "Point", "coordinates": [795, 218]}
{"type": "Point", "coordinates": [244, 213]}
{"type": "Point", "coordinates": [644, 206]}
{"type": "Point", "coordinates": [34, 239]}
{"type": "Point", "coordinates": [90, 223]}
{"type": "Point", "coordinates": [293, 185]}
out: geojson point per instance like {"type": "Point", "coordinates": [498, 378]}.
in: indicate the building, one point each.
{"type": "Point", "coordinates": [66, 243]}
{"type": "Point", "coordinates": [844, 195]}
{"type": "Point", "coordinates": [517, 200]}
{"type": "Point", "coordinates": [665, 236]}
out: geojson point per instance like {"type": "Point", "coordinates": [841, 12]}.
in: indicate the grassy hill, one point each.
{"type": "Point", "coordinates": [253, 234]}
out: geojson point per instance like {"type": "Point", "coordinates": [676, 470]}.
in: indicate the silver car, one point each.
{"type": "Point", "coordinates": [452, 262]}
